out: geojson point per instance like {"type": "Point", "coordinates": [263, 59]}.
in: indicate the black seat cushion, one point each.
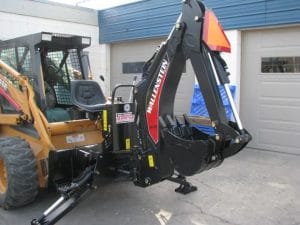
{"type": "Point", "coordinates": [87, 95]}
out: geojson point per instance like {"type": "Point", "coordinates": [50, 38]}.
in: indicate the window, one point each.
{"type": "Point", "coordinates": [24, 63]}
{"type": "Point", "coordinates": [133, 67]}
{"type": "Point", "coordinates": [9, 57]}
{"type": "Point", "coordinates": [60, 67]}
{"type": "Point", "coordinates": [19, 59]}
{"type": "Point", "coordinates": [280, 64]}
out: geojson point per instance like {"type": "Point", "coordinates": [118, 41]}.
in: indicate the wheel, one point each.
{"type": "Point", "coordinates": [18, 173]}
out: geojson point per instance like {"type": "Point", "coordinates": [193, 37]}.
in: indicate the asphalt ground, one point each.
{"type": "Point", "coordinates": [252, 188]}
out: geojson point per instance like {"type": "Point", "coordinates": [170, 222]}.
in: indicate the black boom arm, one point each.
{"type": "Point", "coordinates": [168, 143]}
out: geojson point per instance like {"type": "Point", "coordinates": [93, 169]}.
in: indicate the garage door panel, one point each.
{"type": "Point", "coordinates": [282, 125]}
{"type": "Point", "coordinates": [270, 102]}
{"type": "Point", "coordinates": [279, 139]}
{"type": "Point", "coordinates": [278, 51]}
{"type": "Point", "coordinates": [279, 113]}
{"type": "Point", "coordinates": [280, 101]}
{"type": "Point", "coordinates": [282, 89]}
{"type": "Point", "coordinates": [281, 38]}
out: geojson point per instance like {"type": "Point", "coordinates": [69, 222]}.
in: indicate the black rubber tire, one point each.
{"type": "Point", "coordinates": [21, 170]}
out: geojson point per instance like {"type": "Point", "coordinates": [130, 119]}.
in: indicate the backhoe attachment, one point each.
{"type": "Point", "coordinates": [143, 137]}
{"type": "Point", "coordinates": [172, 143]}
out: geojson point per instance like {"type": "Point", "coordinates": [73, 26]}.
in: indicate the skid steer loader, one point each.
{"type": "Point", "coordinates": [58, 129]}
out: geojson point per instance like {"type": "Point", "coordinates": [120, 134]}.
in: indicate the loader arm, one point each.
{"type": "Point", "coordinates": [15, 88]}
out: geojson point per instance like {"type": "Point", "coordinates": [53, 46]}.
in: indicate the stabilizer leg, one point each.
{"type": "Point", "coordinates": [184, 186]}
{"type": "Point", "coordinates": [71, 193]}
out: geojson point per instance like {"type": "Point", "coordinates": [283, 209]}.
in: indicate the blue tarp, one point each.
{"type": "Point", "coordinates": [198, 107]}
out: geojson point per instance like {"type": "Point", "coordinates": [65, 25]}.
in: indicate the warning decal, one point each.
{"type": "Point", "coordinates": [127, 117]}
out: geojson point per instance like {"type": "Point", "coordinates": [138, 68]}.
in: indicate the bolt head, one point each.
{"type": "Point", "coordinates": [147, 181]}
{"type": "Point", "coordinates": [184, 1]}
{"type": "Point", "coordinates": [178, 26]}
{"type": "Point", "coordinates": [197, 18]}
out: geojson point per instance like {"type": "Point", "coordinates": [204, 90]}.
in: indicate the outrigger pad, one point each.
{"type": "Point", "coordinates": [87, 95]}
{"type": "Point", "coordinates": [186, 188]}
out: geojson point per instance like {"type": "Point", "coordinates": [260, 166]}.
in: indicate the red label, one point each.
{"type": "Point", "coordinates": [10, 99]}
{"type": "Point", "coordinates": [152, 113]}
{"type": "Point", "coordinates": [124, 118]}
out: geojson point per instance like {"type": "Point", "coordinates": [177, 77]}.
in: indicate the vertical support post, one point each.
{"type": "Point", "coordinates": [233, 107]}
{"type": "Point", "coordinates": [228, 93]}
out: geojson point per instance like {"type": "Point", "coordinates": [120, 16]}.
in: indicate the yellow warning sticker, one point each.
{"type": "Point", "coordinates": [151, 161]}
{"type": "Point", "coordinates": [104, 118]}
{"type": "Point", "coordinates": [127, 144]}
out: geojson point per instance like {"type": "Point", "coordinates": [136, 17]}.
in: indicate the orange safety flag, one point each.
{"type": "Point", "coordinates": [213, 33]}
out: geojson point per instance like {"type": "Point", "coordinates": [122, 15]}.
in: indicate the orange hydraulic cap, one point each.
{"type": "Point", "coordinates": [213, 33]}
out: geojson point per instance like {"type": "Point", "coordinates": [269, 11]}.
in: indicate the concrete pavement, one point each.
{"type": "Point", "coordinates": [251, 188]}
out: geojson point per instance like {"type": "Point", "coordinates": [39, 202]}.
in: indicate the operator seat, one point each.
{"type": "Point", "coordinates": [87, 95]}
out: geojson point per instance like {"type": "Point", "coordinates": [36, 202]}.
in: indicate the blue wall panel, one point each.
{"type": "Point", "coordinates": [282, 11]}
{"type": "Point", "coordinates": [155, 18]}
{"type": "Point", "coordinates": [146, 19]}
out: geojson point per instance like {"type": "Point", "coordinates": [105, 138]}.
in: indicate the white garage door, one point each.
{"type": "Point", "coordinates": [126, 61]}
{"type": "Point", "coordinates": [270, 88]}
